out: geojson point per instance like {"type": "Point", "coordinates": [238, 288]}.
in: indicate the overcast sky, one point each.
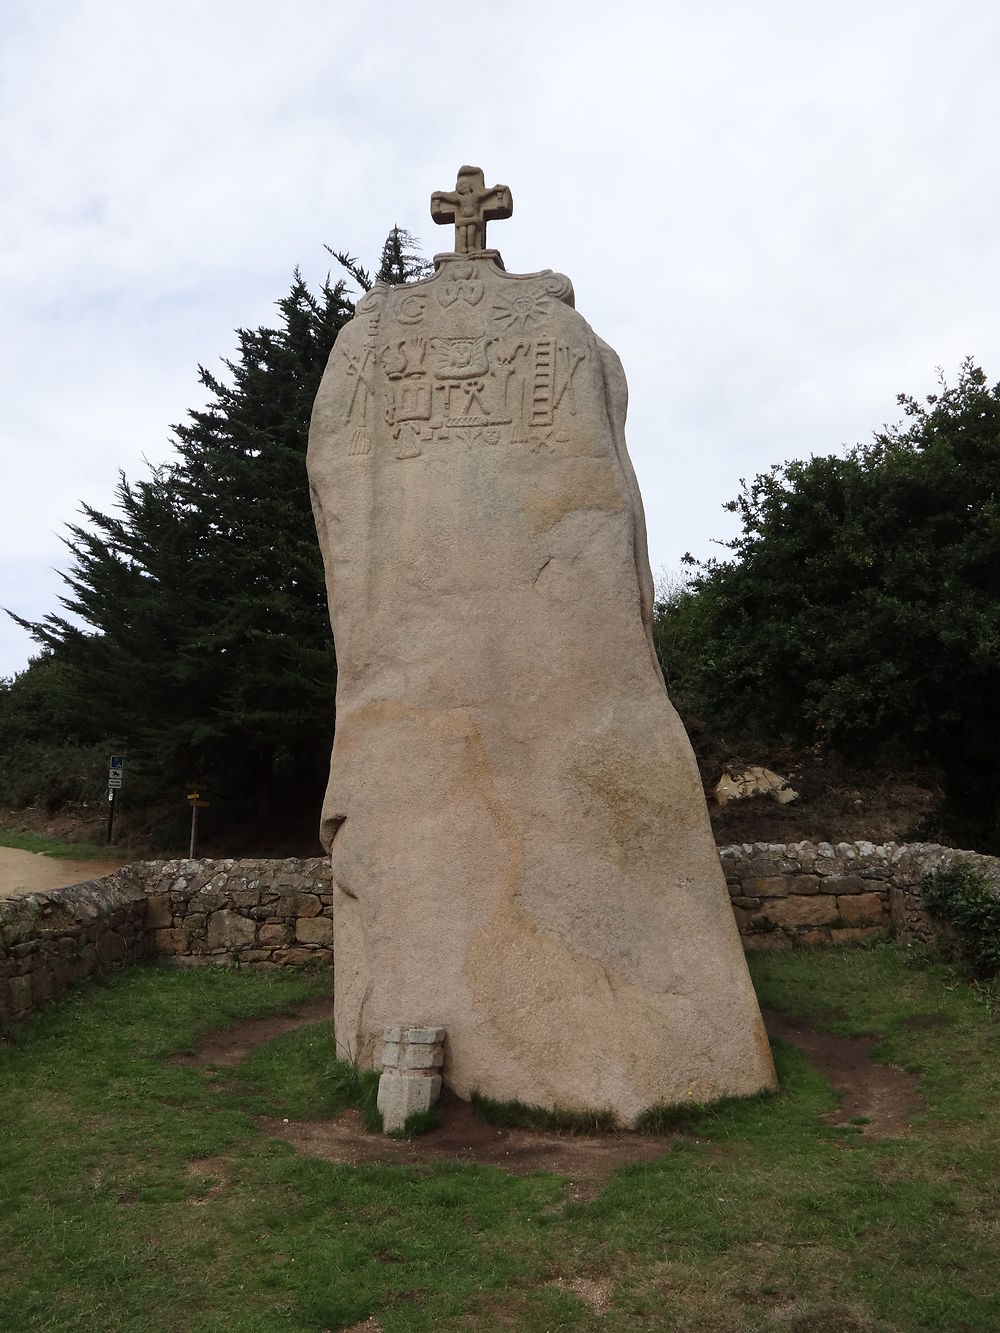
{"type": "Point", "coordinates": [779, 214]}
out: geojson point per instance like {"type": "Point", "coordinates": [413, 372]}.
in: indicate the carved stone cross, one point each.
{"type": "Point", "coordinates": [470, 206]}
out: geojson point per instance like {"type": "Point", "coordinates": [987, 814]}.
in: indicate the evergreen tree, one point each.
{"type": "Point", "coordinates": [205, 643]}
{"type": "Point", "coordinates": [401, 262]}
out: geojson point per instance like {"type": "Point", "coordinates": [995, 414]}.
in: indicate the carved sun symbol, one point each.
{"type": "Point", "coordinates": [522, 311]}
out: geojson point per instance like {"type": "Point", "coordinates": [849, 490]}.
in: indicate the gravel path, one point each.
{"type": "Point", "coordinates": [29, 872]}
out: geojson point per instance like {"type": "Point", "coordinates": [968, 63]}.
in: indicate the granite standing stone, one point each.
{"type": "Point", "coordinates": [520, 845]}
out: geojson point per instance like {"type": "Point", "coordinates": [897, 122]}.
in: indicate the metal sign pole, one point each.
{"type": "Point", "coordinates": [116, 769]}
{"type": "Point", "coordinates": [194, 831]}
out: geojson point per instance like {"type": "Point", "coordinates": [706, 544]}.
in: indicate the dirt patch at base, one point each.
{"type": "Point", "coordinates": [884, 1095]}
{"type": "Point", "coordinates": [33, 872]}
{"type": "Point", "coordinates": [588, 1160]}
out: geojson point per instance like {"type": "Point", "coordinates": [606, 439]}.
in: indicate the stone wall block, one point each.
{"type": "Point", "coordinates": [814, 911]}
{"type": "Point", "coordinates": [172, 940]}
{"type": "Point", "coordinates": [110, 947]}
{"type": "Point", "coordinates": [207, 901]}
{"type": "Point", "coordinates": [243, 897]}
{"type": "Point", "coordinates": [810, 939]}
{"type": "Point", "coordinates": [274, 934]}
{"type": "Point", "coordinates": [297, 957]}
{"type": "Point", "coordinates": [293, 905]}
{"type": "Point", "coordinates": [422, 1057]}
{"type": "Point", "coordinates": [314, 930]}
{"type": "Point", "coordinates": [159, 913]}
{"type": "Point", "coordinates": [229, 930]}
{"type": "Point", "coordinates": [804, 884]}
{"type": "Point", "coordinates": [863, 909]}
{"type": "Point", "coordinates": [767, 886]}
{"type": "Point", "coordinates": [844, 884]}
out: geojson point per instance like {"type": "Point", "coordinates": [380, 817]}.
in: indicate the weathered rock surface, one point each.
{"type": "Point", "coordinates": [520, 845]}
{"type": "Point", "coordinates": [754, 781]}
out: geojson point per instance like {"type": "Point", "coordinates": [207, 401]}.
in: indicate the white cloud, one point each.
{"type": "Point", "coordinates": [779, 215]}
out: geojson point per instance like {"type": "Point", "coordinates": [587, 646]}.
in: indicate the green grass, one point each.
{"type": "Point", "coordinates": [520, 1115]}
{"type": "Point", "coordinates": [63, 851]}
{"type": "Point", "coordinates": [139, 1195]}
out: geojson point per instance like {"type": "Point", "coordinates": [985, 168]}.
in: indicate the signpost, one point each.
{"type": "Point", "coordinates": [116, 770]}
{"type": "Point", "coordinates": [196, 803]}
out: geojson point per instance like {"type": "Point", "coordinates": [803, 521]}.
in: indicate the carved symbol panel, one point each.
{"type": "Point", "coordinates": [498, 377]}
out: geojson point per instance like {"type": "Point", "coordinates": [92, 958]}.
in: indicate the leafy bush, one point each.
{"type": "Point", "coordinates": [963, 897]}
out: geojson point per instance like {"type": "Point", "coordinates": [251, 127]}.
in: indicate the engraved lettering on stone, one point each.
{"type": "Point", "coordinates": [470, 206]}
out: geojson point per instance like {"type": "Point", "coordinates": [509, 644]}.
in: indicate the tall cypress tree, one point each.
{"type": "Point", "coordinates": [206, 644]}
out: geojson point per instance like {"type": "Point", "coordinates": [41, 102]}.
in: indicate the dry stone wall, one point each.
{"type": "Point", "coordinates": [271, 913]}
{"type": "Point", "coordinates": [809, 893]}
{"type": "Point", "coordinates": [280, 913]}
{"type": "Point", "coordinates": [51, 941]}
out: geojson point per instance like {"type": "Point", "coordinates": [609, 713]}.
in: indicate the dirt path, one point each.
{"type": "Point", "coordinates": [32, 872]}
{"type": "Point", "coordinates": [882, 1094]}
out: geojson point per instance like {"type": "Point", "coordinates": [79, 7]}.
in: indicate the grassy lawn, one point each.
{"type": "Point", "coordinates": [137, 1194]}
{"type": "Point", "coordinates": [55, 847]}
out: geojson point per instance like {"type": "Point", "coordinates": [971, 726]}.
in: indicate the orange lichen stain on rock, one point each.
{"type": "Point", "coordinates": [574, 484]}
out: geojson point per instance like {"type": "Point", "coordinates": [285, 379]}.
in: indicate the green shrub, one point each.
{"type": "Point", "coordinates": [963, 897]}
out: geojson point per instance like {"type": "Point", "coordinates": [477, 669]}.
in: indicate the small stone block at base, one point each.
{"type": "Point", "coordinates": [390, 1055]}
{"type": "Point", "coordinates": [401, 1095]}
{"type": "Point", "coordinates": [409, 1083]}
{"type": "Point", "coordinates": [422, 1057]}
{"type": "Point", "coordinates": [423, 1036]}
